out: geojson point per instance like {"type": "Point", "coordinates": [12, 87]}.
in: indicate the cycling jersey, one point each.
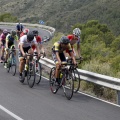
{"type": "Point", "coordinates": [39, 40]}
{"type": "Point", "coordinates": [25, 43]}
{"type": "Point", "coordinates": [11, 39]}
{"type": "Point", "coordinates": [57, 47]}
{"type": "Point", "coordinates": [72, 40]}
{"type": "Point", "coordinates": [22, 34]}
{"type": "Point", "coordinates": [19, 27]}
{"type": "Point", "coordinates": [3, 37]}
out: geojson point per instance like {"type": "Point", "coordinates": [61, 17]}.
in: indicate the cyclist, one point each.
{"type": "Point", "coordinates": [2, 43]}
{"type": "Point", "coordinates": [39, 41]}
{"type": "Point", "coordinates": [58, 54]}
{"type": "Point", "coordinates": [10, 38]}
{"type": "Point", "coordinates": [19, 29]}
{"type": "Point", "coordinates": [25, 47]}
{"type": "Point", "coordinates": [75, 39]}
{"type": "Point", "coordinates": [25, 31]}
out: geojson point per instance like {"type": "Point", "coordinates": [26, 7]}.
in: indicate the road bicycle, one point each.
{"type": "Point", "coordinates": [30, 71]}
{"type": "Point", "coordinates": [66, 81]}
{"type": "Point", "coordinates": [75, 73]}
{"type": "Point", "coordinates": [11, 62]}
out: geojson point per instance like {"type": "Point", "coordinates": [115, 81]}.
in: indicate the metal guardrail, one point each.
{"type": "Point", "coordinates": [103, 80]}
{"type": "Point", "coordinates": [51, 30]}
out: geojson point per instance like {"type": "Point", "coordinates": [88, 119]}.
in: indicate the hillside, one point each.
{"type": "Point", "coordinates": [62, 14]}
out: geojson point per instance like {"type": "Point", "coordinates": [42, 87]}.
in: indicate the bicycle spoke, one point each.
{"type": "Point", "coordinates": [68, 85]}
{"type": "Point", "coordinates": [76, 78]}
{"type": "Point", "coordinates": [52, 81]}
{"type": "Point", "coordinates": [31, 75]}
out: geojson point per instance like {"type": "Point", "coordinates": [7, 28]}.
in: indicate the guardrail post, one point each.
{"type": "Point", "coordinates": [118, 97]}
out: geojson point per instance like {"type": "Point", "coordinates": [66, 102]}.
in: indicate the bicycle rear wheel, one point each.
{"type": "Point", "coordinates": [76, 79]}
{"type": "Point", "coordinates": [52, 81]}
{"type": "Point", "coordinates": [38, 73]}
{"type": "Point", "coordinates": [68, 84]}
{"type": "Point", "coordinates": [31, 75]}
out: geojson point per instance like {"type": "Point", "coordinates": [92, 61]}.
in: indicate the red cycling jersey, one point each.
{"type": "Point", "coordinates": [73, 39]}
{"type": "Point", "coordinates": [22, 34]}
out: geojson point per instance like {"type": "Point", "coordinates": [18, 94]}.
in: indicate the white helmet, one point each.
{"type": "Point", "coordinates": [77, 31]}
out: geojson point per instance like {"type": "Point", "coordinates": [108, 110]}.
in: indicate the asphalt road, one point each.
{"type": "Point", "coordinates": [18, 101]}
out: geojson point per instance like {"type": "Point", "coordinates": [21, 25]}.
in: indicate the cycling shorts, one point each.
{"type": "Point", "coordinates": [62, 57]}
{"type": "Point", "coordinates": [26, 49]}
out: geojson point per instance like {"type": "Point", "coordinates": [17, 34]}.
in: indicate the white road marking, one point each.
{"type": "Point", "coordinates": [10, 113]}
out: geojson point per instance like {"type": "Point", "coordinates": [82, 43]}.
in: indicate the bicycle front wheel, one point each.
{"type": "Point", "coordinates": [76, 78]}
{"type": "Point", "coordinates": [13, 66]}
{"type": "Point", "coordinates": [8, 66]}
{"type": "Point", "coordinates": [31, 75]}
{"type": "Point", "coordinates": [52, 81]}
{"type": "Point", "coordinates": [68, 84]}
{"type": "Point", "coordinates": [38, 72]}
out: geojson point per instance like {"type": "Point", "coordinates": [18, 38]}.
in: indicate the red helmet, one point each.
{"type": "Point", "coordinates": [25, 31]}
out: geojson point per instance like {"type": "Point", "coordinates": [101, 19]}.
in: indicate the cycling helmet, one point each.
{"type": "Point", "coordinates": [77, 31]}
{"type": "Point", "coordinates": [35, 32]}
{"type": "Point", "coordinates": [30, 36]}
{"type": "Point", "coordinates": [64, 40]}
{"type": "Point", "coordinates": [25, 31]}
{"type": "Point", "coordinates": [13, 32]}
{"type": "Point", "coordinates": [5, 31]}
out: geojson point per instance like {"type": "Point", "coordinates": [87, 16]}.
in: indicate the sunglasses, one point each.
{"type": "Point", "coordinates": [76, 36]}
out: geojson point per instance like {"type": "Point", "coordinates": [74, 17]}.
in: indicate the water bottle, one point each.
{"type": "Point", "coordinates": [61, 75]}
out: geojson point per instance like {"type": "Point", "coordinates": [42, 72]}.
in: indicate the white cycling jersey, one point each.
{"type": "Point", "coordinates": [23, 40]}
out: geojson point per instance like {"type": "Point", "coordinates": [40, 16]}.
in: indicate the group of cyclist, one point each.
{"type": "Point", "coordinates": [30, 42]}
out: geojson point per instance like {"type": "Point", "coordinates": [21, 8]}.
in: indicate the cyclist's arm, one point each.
{"type": "Point", "coordinates": [16, 38]}
{"type": "Point", "coordinates": [58, 57]}
{"type": "Point", "coordinates": [78, 50]}
{"type": "Point", "coordinates": [73, 57]}
{"type": "Point", "coordinates": [0, 41]}
{"type": "Point", "coordinates": [72, 54]}
{"type": "Point", "coordinates": [7, 39]}
{"type": "Point", "coordinates": [6, 43]}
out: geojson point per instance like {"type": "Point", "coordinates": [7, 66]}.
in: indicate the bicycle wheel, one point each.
{"type": "Point", "coordinates": [38, 72]}
{"type": "Point", "coordinates": [23, 76]}
{"type": "Point", "coordinates": [68, 84]}
{"type": "Point", "coordinates": [52, 81]}
{"type": "Point", "coordinates": [31, 75]}
{"type": "Point", "coordinates": [76, 79]}
{"type": "Point", "coordinates": [8, 65]}
{"type": "Point", "coordinates": [13, 66]}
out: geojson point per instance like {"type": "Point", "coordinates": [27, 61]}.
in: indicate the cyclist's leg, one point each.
{"type": "Point", "coordinates": [30, 51]}
{"type": "Point", "coordinates": [21, 64]}
{"type": "Point", "coordinates": [6, 57]}
{"type": "Point", "coordinates": [57, 71]}
{"type": "Point", "coordinates": [57, 67]}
